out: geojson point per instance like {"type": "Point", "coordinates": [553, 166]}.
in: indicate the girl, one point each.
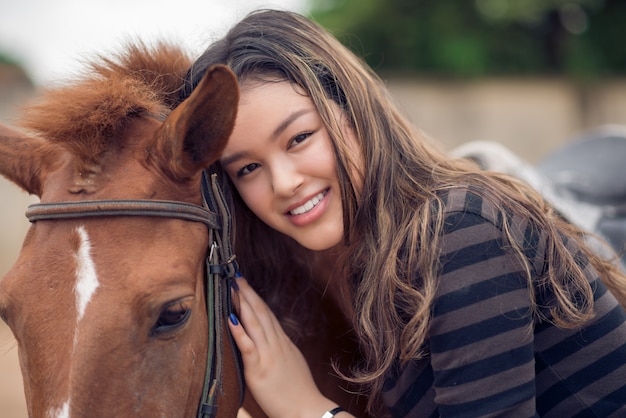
{"type": "Point", "coordinates": [468, 294]}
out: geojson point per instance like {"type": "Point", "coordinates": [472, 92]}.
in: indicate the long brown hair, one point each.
{"type": "Point", "coordinates": [392, 226]}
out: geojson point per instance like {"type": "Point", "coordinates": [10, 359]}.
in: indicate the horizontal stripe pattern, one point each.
{"type": "Point", "coordinates": [488, 354]}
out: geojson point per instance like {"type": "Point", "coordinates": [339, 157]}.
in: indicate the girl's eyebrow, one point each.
{"type": "Point", "coordinates": [225, 162]}
{"type": "Point", "coordinates": [279, 130]}
{"type": "Point", "coordinates": [288, 120]}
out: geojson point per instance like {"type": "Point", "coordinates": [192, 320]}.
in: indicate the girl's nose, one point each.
{"type": "Point", "coordinates": [286, 179]}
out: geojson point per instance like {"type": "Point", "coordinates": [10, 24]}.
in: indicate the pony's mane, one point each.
{"type": "Point", "coordinates": [89, 112]}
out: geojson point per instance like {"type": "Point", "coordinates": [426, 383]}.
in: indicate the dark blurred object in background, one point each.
{"type": "Point", "coordinates": [462, 38]}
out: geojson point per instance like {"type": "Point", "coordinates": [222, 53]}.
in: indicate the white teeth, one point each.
{"type": "Point", "coordinates": [308, 205]}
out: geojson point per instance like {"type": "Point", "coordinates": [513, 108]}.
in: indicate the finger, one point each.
{"type": "Point", "coordinates": [249, 353]}
{"type": "Point", "coordinates": [249, 293]}
{"type": "Point", "coordinates": [273, 330]}
{"type": "Point", "coordinates": [262, 310]}
{"type": "Point", "coordinates": [255, 328]}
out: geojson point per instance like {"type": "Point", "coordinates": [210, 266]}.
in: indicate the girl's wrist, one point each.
{"type": "Point", "coordinates": [322, 408]}
{"type": "Point", "coordinates": [332, 412]}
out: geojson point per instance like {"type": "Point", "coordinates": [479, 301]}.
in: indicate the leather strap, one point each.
{"type": "Point", "coordinates": [99, 208]}
{"type": "Point", "coordinates": [219, 283]}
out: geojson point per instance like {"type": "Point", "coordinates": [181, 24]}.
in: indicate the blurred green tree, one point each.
{"type": "Point", "coordinates": [6, 59]}
{"type": "Point", "coordinates": [471, 38]}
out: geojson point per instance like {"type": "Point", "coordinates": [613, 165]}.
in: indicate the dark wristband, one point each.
{"type": "Point", "coordinates": [333, 412]}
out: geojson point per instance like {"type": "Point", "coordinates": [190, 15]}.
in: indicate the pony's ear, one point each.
{"type": "Point", "coordinates": [23, 159]}
{"type": "Point", "coordinates": [196, 132]}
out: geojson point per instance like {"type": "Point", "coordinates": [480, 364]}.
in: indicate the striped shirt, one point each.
{"type": "Point", "coordinates": [488, 355]}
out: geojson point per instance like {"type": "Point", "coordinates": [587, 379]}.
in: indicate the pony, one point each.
{"type": "Point", "coordinates": [119, 295]}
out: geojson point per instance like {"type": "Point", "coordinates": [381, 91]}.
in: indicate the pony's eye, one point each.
{"type": "Point", "coordinates": [171, 317]}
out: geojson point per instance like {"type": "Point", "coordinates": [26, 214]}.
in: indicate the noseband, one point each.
{"type": "Point", "coordinates": [220, 264]}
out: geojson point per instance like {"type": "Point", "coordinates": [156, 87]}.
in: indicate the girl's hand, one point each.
{"type": "Point", "coordinates": [275, 370]}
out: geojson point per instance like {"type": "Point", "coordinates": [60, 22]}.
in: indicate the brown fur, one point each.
{"type": "Point", "coordinates": [91, 113]}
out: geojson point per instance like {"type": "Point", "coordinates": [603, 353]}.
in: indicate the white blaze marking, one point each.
{"type": "Point", "coordinates": [86, 277]}
{"type": "Point", "coordinates": [62, 412]}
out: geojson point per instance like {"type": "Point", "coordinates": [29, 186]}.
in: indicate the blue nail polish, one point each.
{"type": "Point", "coordinates": [238, 274]}
{"type": "Point", "coordinates": [233, 319]}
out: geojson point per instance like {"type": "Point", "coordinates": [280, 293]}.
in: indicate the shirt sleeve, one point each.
{"type": "Point", "coordinates": [481, 335]}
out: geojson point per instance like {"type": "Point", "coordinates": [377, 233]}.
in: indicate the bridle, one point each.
{"type": "Point", "coordinates": [220, 265]}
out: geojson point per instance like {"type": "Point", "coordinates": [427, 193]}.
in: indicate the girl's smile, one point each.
{"type": "Point", "coordinates": [310, 210]}
{"type": "Point", "coordinates": [281, 160]}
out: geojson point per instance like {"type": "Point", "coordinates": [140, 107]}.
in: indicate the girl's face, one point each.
{"type": "Point", "coordinates": [281, 161]}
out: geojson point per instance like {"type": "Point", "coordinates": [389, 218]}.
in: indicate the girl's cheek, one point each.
{"type": "Point", "coordinates": [254, 195]}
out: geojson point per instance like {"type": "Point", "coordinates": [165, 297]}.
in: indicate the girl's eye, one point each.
{"type": "Point", "coordinates": [247, 169]}
{"type": "Point", "coordinates": [300, 138]}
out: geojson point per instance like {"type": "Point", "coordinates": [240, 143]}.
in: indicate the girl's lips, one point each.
{"type": "Point", "coordinates": [309, 204]}
{"type": "Point", "coordinates": [310, 210]}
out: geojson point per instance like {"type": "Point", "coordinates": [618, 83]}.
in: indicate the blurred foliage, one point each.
{"type": "Point", "coordinates": [6, 59]}
{"type": "Point", "coordinates": [472, 38]}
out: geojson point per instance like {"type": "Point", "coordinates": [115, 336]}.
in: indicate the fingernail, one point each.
{"type": "Point", "coordinates": [238, 274]}
{"type": "Point", "coordinates": [234, 284]}
{"type": "Point", "coordinates": [233, 319]}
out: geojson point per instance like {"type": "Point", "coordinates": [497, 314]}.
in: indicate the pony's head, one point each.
{"type": "Point", "coordinates": [109, 312]}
